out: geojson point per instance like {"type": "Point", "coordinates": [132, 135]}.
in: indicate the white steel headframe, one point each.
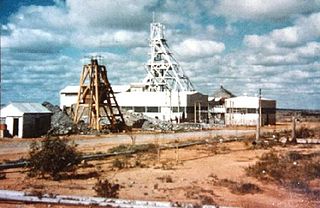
{"type": "Point", "coordinates": [164, 72]}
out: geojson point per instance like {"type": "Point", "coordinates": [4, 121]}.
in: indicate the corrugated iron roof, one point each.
{"type": "Point", "coordinates": [30, 107]}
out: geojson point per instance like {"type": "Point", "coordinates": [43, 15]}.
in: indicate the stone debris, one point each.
{"type": "Point", "coordinates": [61, 123]}
{"type": "Point", "coordinates": [138, 120]}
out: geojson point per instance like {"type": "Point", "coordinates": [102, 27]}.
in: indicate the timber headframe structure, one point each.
{"type": "Point", "coordinates": [96, 103]}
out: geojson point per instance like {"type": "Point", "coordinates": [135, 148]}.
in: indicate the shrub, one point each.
{"type": "Point", "coordinates": [107, 189]}
{"type": "Point", "coordinates": [166, 179]}
{"type": "Point", "coordinates": [134, 148]}
{"type": "Point", "coordinates": [246, 188]}
{"type": "Point", "coordinates": [118, 163]}
{"type": "Point", "coordinates": [53, 157]}
{"type": "Point", "coordinates": [304, 132]}
{"type": "Point", "coordinates": [292, 170]}
{"type": "Point", "coordinates": [2, 176]}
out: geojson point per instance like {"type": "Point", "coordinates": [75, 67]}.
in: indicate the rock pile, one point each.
{"type": "Point", "coordinates": [138, 120]}
{"type": "Point", "coordinates": [61, 123]}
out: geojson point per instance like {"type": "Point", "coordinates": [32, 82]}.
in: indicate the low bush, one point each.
{"type": "Point", "coordinates": [118, 163]}
{"type": "Point", "coordinates": [104, 188]}
{"type": "Point", "coordinates": [134, 148]}
{"type": "Point", "coordinates": [293, 170]}
{"type": "Point", "coordinates": [52, 157]}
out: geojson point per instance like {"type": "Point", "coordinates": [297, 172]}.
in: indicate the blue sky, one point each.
{"type": "Point", "coordinates": [243, 45]}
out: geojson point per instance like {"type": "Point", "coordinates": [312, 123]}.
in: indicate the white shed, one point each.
{"type": "Point", "coordinates": [26, 119]}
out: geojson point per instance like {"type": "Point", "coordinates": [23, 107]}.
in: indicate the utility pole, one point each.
{"type": "Point", "coordinates": [259, 117]}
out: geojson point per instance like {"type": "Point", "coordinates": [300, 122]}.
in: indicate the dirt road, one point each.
{"type": "Point", "coordinates": [21, 146]}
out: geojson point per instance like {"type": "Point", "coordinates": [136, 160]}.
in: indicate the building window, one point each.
{"type": "Point", "coordinates": [252, 110]}
{"type": "Point", "coordinates": [175, 109]}
{"type": "Point", "coordinates": [153, 109]}
{"type": "Point", "coordinates": [127, 108]}
{"type": "Point", "coordinates": [241, 110]}
{"type": "Point", "coordinates": [139, 109]}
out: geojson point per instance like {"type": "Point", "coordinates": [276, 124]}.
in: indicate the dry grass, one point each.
{"type": "Point", "coordinates": [293, 170]}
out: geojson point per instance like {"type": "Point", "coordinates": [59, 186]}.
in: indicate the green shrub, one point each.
{"type": "Point", "coordinates": [53, 157]}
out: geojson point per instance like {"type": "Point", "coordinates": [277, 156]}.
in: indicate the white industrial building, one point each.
{"type": "Point", "coordinates": [244, 110]}
{"type": "Point", "coordinates": [181, 106]}
{"type": "Point", "coordinates": [26, 119]}
{"type": "Point", "coordinates": [166, 92]}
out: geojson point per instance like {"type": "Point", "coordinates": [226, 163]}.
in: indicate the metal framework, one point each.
{"type": "Point", "coordinates": [96, 99]}
{"type": "Point", "coordinates": [164, 72]}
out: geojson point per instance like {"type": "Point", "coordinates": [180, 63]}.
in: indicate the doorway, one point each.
{"type": "Point", "coordinates": [15, 127]}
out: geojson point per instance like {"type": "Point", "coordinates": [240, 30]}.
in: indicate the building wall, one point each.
{"type": "Point", "coordinates": [244, 111]}
{"type": "Point", "coordinates": [35, 125]}
{"type": "Point", "coordinates": [9, 121]}
{"type": "Point", "coordinates": [67, 99]}
{"type": "Point", "coordinates": [197, 108]}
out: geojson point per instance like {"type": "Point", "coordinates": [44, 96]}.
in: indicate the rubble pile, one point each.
{"type": "Point", "coordinates": [138, 120]}
{"type": "Point", "coordinates": [61, 123]}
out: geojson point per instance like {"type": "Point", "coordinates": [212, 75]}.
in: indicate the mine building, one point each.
{"type": "Point", "coordinates": [244, 110]}
{"type": "Point", "coordinates": [26, 120]}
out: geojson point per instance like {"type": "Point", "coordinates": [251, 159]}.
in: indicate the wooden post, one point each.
{"type": "Point", "coordinates": [293, 133]}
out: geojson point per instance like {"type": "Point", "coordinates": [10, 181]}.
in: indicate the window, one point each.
{"type": "Point", "coordinates": [127, 108]}
{"type": "Point", "coordinates": [175, 109]}
{"type": "Point", "coordinates": [153, 109]}
{"type": "Point", "coordinates": [252, 110]}
{"type": "Point", "coordinates": [139, 109]}
{"type": "Point", "coordinates": [241, 110]}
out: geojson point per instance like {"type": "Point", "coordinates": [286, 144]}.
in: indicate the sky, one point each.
{"type": "Point", "coordinates": [243, 45]}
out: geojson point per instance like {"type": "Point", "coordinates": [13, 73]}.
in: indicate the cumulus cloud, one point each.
{"type": "Point", "coordinates": [192, 48]}
{"type": "Point", "coordinates": [110, 14]}
{"type": "Point", "coordinates": [261, 9]}
{"type": "Point", "coordinates": [34, 40]}
{"type": "Point", "coordinates": [295, 44]}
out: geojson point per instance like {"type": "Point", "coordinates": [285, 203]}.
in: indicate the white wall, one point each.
{"type": "Point", "coordinates": [151, 98]}
{"type": "Point", "coordinates": [249, 119]}
{"type": "Point", "coordinates": [242, 102]}
{"type": "Point", "coordinates": [9, 122]}
{"type": "Point", "coordinates": [67, 100]}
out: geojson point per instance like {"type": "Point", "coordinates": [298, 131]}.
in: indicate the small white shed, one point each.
{"type": "Point", "coordinates": [26, 120]}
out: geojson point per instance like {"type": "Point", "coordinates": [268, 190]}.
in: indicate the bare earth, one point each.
{"type": "Point", "coordinates": [192, 174]}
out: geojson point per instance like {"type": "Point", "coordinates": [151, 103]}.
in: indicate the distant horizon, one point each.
{"type": "Point", "coordinates": [243, 45]}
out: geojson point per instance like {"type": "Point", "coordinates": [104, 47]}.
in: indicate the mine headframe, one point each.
{"type": "Point", "coordinates": [96, 104]}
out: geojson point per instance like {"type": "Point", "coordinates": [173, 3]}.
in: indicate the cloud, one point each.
{"type": "Point", "coordinates": [305, 29]}
{"type": "Point", "coordinates": [292, 45]}
{"type": "Point", "coordinates": [110, 14]}
{"type": "Point", "coordinates": [261, 9]}
{"type": "Point", "coordinates": [34, 40]}
{"type": "Point", "coordinates": [193, 48]}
